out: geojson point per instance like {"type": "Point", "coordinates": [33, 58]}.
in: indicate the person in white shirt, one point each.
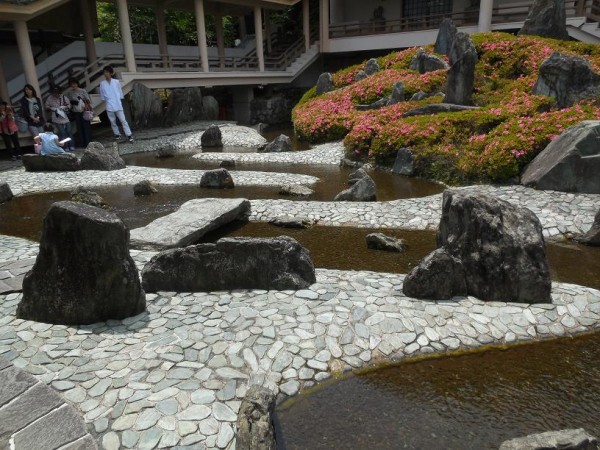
{"type": "Point", "coordinates": [111, 94]}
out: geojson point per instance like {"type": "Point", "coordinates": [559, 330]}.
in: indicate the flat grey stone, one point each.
{"type": "Point", "coordinates": [60, 427]}
{"type": "Point", "coordinates": [13, 382]}
{"type": "Point", "coordinates": [189, 223]}
{"type": "Point", "coordinates": [31, 405]}
{"type": "Point", "coordinates": [85, 443]}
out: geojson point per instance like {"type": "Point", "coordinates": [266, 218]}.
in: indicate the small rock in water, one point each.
{"type": "Point", "coordinates": [380, 241]}
{"type": "Point", "coordinates": [218, 178]}
{"type": "Point", "coordinates": [296, 190]}
{"type": "Point", "coordinates": [83, 195]}
{"type": "Point", "coordinates": [167, 151]}
{"type": "Point", "coordinates": [212, 137]}
{"type": "Point", "coordinates": [144, 187]}
{"type": "Point", "coordinates": [227, 163]}
{"type": "Point", "coordinates": [292, 222]}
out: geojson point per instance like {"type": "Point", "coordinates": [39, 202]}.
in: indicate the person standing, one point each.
{"type": "Point", "coordinates": [31, 111]}
{"type": "Point", "coordinates": [79, 98]}
{"type": "Point", "coordinates": [112, 94]}
{"type": "Point", "coordinates": [60, 106]}
{"type": "Point", "coordinates": [9, 130]}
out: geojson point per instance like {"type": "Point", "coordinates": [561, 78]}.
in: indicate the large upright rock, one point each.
{"type": "Point", "coordinates": [568, 79]}
{"type": "Point", "coordinates": [500, 245]}
{"type": "Point", "coordinates": [146, 107]}
{"type": "Point", "coordinates": [324, 83]}
{"type": "Point", "coordinates": [405, 162]}
{"type": "Point", "coordinates": [183, 105]}
{"type": "Point", "coordinates": [445, 37]}
{"type": "Point", "coordinates": [573, 439]}
{"type": "Point", "coordinates": [488, 248]}
{"type": "Point", "coordinates": [423, 62]}
{"type": "Point", "coordinates": [255, 420]}
{"type": "Point", "coordinates": [190, 222]}
{"type": "Point", "coordinates": [546, 18]}
{"type": "Point", "coordinates": [461, 76]}
{"type": "Point", "coordinates": [231, 263]}
{"type": "Point", "coordinates": [212, 137]}
{"type": "Point", "coordinates": [570, 163]}
{"type": "Point", "coordinates": [83, 273]}
{"type": "Point", "coordinates": [98, 157]}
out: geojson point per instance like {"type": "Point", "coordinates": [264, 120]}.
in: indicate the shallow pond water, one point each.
{"type": "Point", "coordinates": [331, 247]}
{"type": "Point", "coordinates": [471, 401]}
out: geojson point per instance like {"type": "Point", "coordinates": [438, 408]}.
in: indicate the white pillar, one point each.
{"type": "Point", "coordinates": [201, 31]}
{"type": "Point", "coordinates": [24, 44]}
{"type": "Point", "coordinates": [306, 23]}
{"type": "Point", "coordinates": [220, 39]}
{"type": "Point", "coordinates": [126, 35]}
{"type": "Point", "coordinates": [163, 48]}
{"type": "Point", "coordinates": [324, 24]}
{"type": "Point", "coordinates": [485, 15]}
{"type": "Point", "coordinates": [88, 31]}
{"type": "Point", "coordinates": [259, 38]}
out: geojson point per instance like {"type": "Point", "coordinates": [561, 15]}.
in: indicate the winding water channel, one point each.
{"type": "Point", "coordinates": [470, 401]}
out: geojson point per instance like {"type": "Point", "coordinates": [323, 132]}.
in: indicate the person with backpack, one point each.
{"type": "Point", "coordinates": [60, 107]}
{"type": "Point", "coordinates": [79, 100]}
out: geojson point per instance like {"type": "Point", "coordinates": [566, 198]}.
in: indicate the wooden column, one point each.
{"type": "Point", "coordinates": [126, 35]}
{"type": "Point", "coordinates": [259, 38]}
{"type": "Point", "coordinates": [486, 8]}
{"type": "Point", "coordinates": [201, 31]}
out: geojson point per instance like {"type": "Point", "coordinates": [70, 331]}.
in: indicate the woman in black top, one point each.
{"type": "Point", "coordinates": [31, 110]}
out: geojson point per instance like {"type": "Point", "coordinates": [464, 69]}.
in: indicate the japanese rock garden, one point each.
{"type": "Point", "coordinates": [170, 327]}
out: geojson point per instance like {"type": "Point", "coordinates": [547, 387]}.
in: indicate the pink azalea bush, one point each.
{"type": "Point", "coordinates": [493, 143]}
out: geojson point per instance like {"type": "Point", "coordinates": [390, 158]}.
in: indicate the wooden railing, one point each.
{"type": "Point", "coordinates": [516, 12]}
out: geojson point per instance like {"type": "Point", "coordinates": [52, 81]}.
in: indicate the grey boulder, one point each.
{"type": "Point", "coordinates": [83, 273]}
{"type": "Point", "coordinates": [5, 192]}
{"type": "Point", "coordinates": [281, 143]}
{"type": "Point", "coordinates": [500, 245]}
{"type": "Point", "coordinates": [423, 62]}
{"type": "Point", "coordinates": [296, 190]}
{"type": "Point", "coordinates": [357, 175]}
{"type": "Point", "coordinates": [404, 162]}
{"type": "Point", "coordinates": [570, 163]}
{"type": "Point", "coordinates": [183, 105]}
{"type": "Point", "coordinates": [64, 162]}
{"type": "Point", "coordinates": [83, 195]}
{"type": "Point", "coordinates": [438, 108]}
{"type": "Point", "coordinates": [166, 151]}
{"type": "Point", "coordinates": [98, 157]}
{"type": "Point", "coordinates": [445, 37]}
{"type": "Point", "coordinates": [438, 276]}
{"type": "Point", "coordinates": [372, 67]}
{"type": "Point", "coordinates": [217, 179]}
{"type": "Point", "coordinates": [189, 223]}
{"type": "Point", "coordinates": [364, 190]}
{"type": "Point", "coordinates": [461, 76]}
{"type": "Point", "coordinates": [324, 83]}
{"type": "Point", "coordinates": [546, 18]}
{"type": "Point", "coordinates": [380, 241]}
{"type": "Point", "coordinates": [144, 187]}
{"type": "Point", "coordinates": [360, 75]}
{"type": "Point", "coordinates": [592, 237]}
{"type": "Point", "coordinates": [210, 108]}
{"type": "Point", "coordinates": [212, 137]}
{"type": "Point", "coordinates": [255, 420]}
{"type": "Point", "coordinates": [292, 222]}
{"type": "Point", "coordinates": [568, 79]}
{"type": "Point", "coordinates": [231, 263]}
{"type": "Point", "coordinates": [146, 107]}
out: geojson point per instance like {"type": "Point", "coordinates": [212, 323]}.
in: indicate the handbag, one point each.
{"type": "Point", "coordinates": [88, 112]}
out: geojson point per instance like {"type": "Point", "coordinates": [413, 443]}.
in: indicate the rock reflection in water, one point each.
{"type": "Point", "coordinates": [472, 401]}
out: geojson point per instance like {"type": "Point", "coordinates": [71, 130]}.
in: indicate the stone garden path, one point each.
{"type": "Point", "coordinates": [174, 376]}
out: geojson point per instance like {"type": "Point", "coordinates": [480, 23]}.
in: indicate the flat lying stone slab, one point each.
{"type": "Point", "coordinates": [189, 223]}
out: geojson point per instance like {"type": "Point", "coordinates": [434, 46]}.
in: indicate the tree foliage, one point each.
{"type": "Point", "coordinates": [180, 26]}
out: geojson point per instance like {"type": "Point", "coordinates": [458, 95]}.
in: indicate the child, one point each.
{"type": "Point", "coordinates": [10, 130]}
{"type": "Point", "coordinates": [49, 141]}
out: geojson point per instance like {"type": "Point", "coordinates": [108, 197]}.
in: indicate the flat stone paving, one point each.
{"type": "Point", "coordinates": [174, 376]}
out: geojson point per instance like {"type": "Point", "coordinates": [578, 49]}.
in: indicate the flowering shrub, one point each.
{"type": "Point", "coordinates": [492, 143]}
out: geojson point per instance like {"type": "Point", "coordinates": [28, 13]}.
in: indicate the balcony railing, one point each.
{"type": "Point", "coordinates": [516, 12]}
